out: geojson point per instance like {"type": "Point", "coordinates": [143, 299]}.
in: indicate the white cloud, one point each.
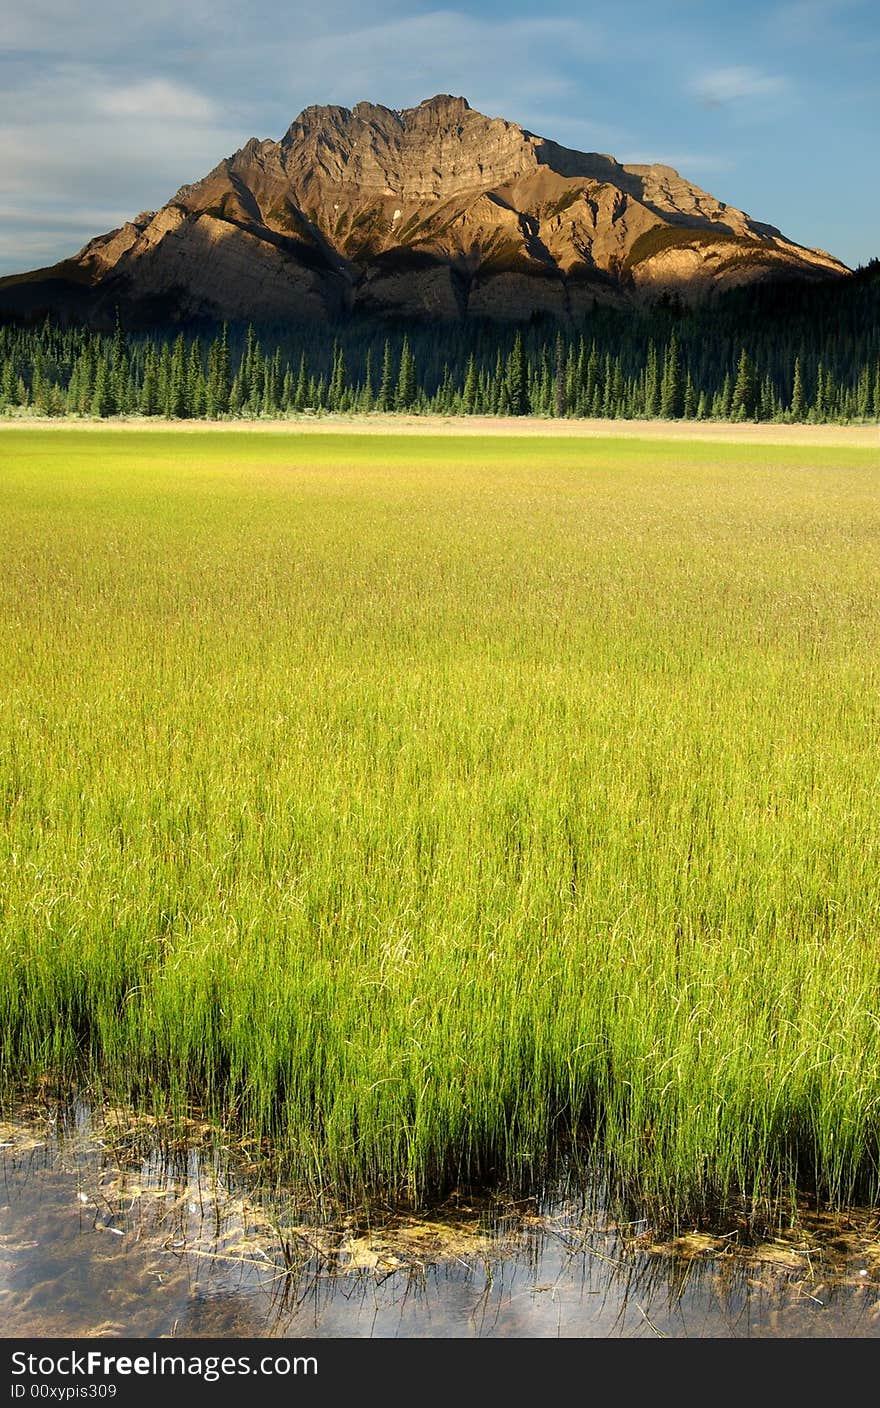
{"type": "Point", "coordinates": [80, 153]}
{"type": "Point", "coordinates": [102, 114]}
{"type": "Point", "coordinates": [157, 98]}
{"type": "Point", "coordinates": [501, 66]}
{"type": "Point", "coordinates": [736, 84]}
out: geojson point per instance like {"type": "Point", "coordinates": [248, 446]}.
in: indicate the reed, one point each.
{"type": "Point", "coordinates": [423, 802]}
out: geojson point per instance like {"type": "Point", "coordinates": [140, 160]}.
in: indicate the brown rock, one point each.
{"type": "Point", "coordinates": [433, 212]}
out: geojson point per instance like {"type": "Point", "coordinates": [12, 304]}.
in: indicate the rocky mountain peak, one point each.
{"type": "Point", "coordinates": [434, 211]}
{"type": "Point", "coordinates": [442, 108]}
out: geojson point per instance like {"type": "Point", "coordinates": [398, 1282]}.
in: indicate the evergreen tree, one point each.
{"type": "Point", "coordinates": [103, 400]}
{"type": "Point", "coordinates": [236, 395]}
{"type": "Point", "coordinates": [406, 379]}
{"type": "Point", "coordinates": [725, 397]}
{"type": "Point", "coordinates": [671, 389]}
{"type": "Point", "coordinates": [8, 383]}
{"type": "Point", "coordinates": [218, 386]}
{"type": "Point", "coordinates": [561, 405]}
{"type": "Point", "coordinates": [471, 386]}
{"type": "Point", "coordinates": [270, 380]}
{"type": "Point", "coordinates": [652, 383]}
{"type": "Point", "coordinates": [365, 400]}
{"type": "Point", "coordinates": [337, 380]}
{"type": "Point", "coordinates": [798, 399]}
{"type": "Point", "coordinates": [300, 395]}
{"type": "Point", "coordinates": [742, 405]}
{"type": "Point", "coordinates": [149, 399]}
{"type": "Point", "coordinates": [515, 380]}
{"type": "Point", "coordinates": [254, 378]}
{"type": "Point", "coordinates": [287, 390]}
{"type": "Point", "coordinates": [175, 394]}
{"type": "Point", "coordinates": [818, 412]}
{"type": "Point", "coordinates": [195, 395]}
{"type": "Point", "coordinates": [385, 397]}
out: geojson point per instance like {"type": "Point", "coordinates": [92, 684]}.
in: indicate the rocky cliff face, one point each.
{"type": "Point", "coordinates": [434, 212]}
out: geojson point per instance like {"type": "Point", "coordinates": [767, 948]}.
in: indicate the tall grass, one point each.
{"type": "Point", "coordinates": [420, 802]}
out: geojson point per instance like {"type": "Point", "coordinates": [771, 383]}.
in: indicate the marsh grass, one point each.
{"type": "Point", "coordinates": [422, 803]}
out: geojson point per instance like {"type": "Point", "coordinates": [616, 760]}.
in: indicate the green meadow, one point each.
{"type": "Point", "coordinates": [433, 805]}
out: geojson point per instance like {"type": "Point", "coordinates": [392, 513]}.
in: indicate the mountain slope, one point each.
{"type": "Point", "coordinates": [436, 212]}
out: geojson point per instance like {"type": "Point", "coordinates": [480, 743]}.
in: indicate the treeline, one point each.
{"type": "Point", "coordinates": [773, 354]}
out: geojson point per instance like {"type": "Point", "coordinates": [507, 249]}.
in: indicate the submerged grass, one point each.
{"type": "Point", "coordinates": [423, 802]}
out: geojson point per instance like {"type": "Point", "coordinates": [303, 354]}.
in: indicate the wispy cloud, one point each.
{"type": "Point", "coordinates": [80, 152]}
{"type": "Point", "coordinates": [737, 84]}
{"type": "Point", "coordinates": [157, 98]}
{"type": "Point", "coordinates": [501, 65]}
{"type": "Point", "coordinates": [105, 111]}
{"type": "Point", "coordinates": [107, 114]}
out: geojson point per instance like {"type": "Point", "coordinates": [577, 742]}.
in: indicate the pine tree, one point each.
{"type": "Point", "coordinates": [385, 399]}
{"type": "Point", "coordinates": [469, 393]}
{"type": "Point", "coordinates": [269, 385]}
{"type": "Point", "coordinates": [365, 400]}
{"type": "Point", "coordinates": [671, 391]}
{"type": "Point", "coordinates": [118, 369]}
{"type": "Point", "coordinates": [218, 386]}
{"type": "Point", "coordinates": [725, 397]}
{"type": "Point", "coordinates": [54, 403]}
{"type": "Point", "coordinates": [149, 398]}
{"type": "Point", "coordinates": [103, 400]}
{"type": "Point", "coordinates": [8, 383]}
{"type": "Point", "coordinates": [175, 395]}
{"type": "Point", "coordinates": [406, 380]}
{"type": "Point", "coordinates": [300, 395]}
{"type": "Point", "coordinates": [195, 397]}
{"type": "Point", "coordinates": [515, 380]}
{"type": "Point", "coordinates": [819, 404]}
{"type": "Point", "coordinates": [255, 379]}
{"type": "Point", "coordinates": [337, 380]}
{"type": "Point", "coordinates": [247, 361]}
{"type": "Point", "coordinates": [607, 388]}
{"type": "Point", "coordinates": [742, 405]}
{"type": "Point", "coordinates": [83, 381]}
{"type": "Point", "coordinates": [652, 383]}
{"type": "Point", "coordinates": [37, 388]}
{"type": "Point", "coordinates": [561, 405]}
{"type": "Point", "coordinates": [798, 399]}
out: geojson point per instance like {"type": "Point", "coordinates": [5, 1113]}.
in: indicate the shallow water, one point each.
{"type": "Point", "coordinates": [102, 1234]}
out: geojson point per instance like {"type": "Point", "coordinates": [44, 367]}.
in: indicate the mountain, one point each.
{"type": "Point", "coordinates": [433, 212]}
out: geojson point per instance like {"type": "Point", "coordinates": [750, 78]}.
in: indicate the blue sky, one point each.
{"type": "Point", "coordinates": [774, 106]}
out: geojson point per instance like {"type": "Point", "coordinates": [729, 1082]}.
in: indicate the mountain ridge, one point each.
{"type": "Point", "coordinates": [430, 212]}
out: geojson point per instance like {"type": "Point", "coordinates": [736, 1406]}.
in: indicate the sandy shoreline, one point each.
{"type": "Point", "coordinates": [747, 433]}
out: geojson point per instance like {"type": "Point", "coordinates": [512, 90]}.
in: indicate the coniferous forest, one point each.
{"type": "Point", "coordinates": [783, 352]}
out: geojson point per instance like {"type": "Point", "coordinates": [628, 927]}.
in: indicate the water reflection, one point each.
{"type": "Point", "coordinates": [102, 1233]}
